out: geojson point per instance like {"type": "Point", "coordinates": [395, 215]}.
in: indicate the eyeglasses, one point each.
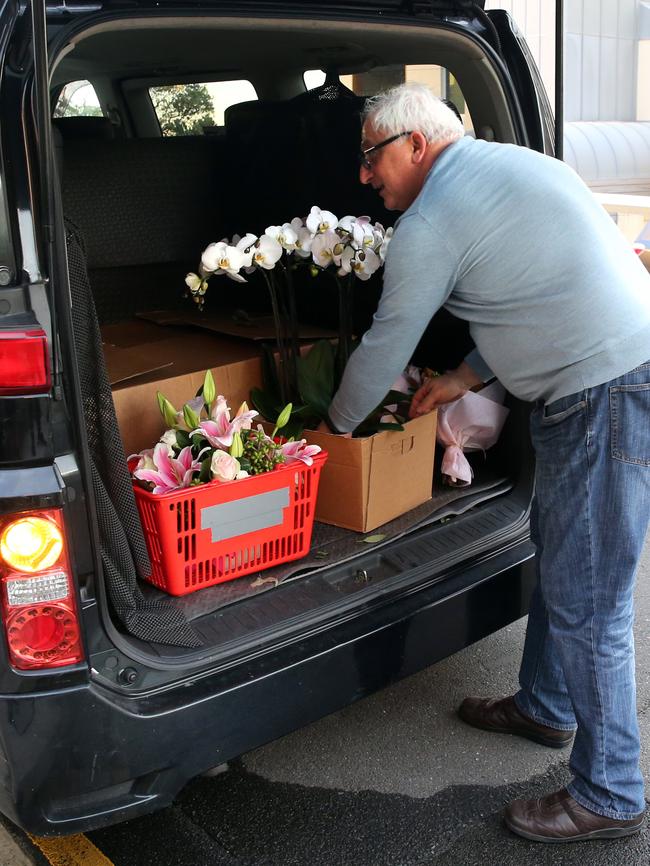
{"type": "Point", "coordinates": [365, 154]}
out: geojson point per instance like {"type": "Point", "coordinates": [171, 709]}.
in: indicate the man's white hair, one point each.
{"type": "Point", "coordinates": [412, 107]}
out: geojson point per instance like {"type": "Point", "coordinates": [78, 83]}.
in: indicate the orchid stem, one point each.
{"type": "Point", "coordinates": [282, 378]}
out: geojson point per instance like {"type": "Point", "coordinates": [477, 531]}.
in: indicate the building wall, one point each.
{"type": "Point", "coordinates": [601, 51]}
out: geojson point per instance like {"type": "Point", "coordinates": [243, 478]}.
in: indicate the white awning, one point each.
{"type": "Point", "coordinates": [609, 155]}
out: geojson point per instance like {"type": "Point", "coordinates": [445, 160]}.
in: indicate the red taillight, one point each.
{"type": "Point", "coordinates": [24, 363]}
{"type": "Point", "coordinates": [38, 601]}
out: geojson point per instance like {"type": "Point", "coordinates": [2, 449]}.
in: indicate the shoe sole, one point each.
{"type": "Point", "coordinates": [528, 735]}
{"type": "Point", "coordinates": [609, 833]}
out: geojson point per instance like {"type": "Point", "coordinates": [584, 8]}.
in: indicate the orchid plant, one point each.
{"type": "Point", "coordinates": [347, 248]}
{"type": "Point", "coordinates": [203, 444]}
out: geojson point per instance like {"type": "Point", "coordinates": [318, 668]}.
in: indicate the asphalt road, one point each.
{"type": "Point", "coordinates": [394, 780]}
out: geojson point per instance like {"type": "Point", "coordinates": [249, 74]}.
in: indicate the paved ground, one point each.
{"type": "Point", "coordinates": [394, 780]}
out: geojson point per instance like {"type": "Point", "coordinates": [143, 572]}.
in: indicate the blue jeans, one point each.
{"type": "Point", "coordinates": [589, 522]}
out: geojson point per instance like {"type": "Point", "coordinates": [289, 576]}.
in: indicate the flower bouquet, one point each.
{"type": "Point", "coordinates": [219, 499]}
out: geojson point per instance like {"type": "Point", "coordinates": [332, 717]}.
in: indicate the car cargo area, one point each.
{"type": "Point", "coordinates": [141, 206]}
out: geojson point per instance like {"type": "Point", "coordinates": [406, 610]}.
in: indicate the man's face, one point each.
{"type": "Point", "coordinates": [392, 171]}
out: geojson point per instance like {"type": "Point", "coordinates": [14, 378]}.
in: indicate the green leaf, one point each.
{"type": "Point", "coordinates": [183, 439]}
{"type": "Point", "coordinates": [321, 554]}
{"type": "Point", "coordinates": [265, 403]}
{"type": "Point", "coordinates": [373, 539]}
{"type": "Point", "coordinates": [316, 377]}
{"type": "Point", "coordinates": [388, 425]}
{"type": "Point", "coordinates": [204, 474]}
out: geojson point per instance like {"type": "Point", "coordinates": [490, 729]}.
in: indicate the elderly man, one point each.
{"type": "Point", "coordinates": [559, 309]}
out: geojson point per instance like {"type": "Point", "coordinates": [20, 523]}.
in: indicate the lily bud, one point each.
{"type": "Point", "coordinates": [209, 389]}
{"type": "Point", "coordinates": [190, 417]}
{"type": "Point", "coordinates": [284, 416]}
{"type": "Point", "coordinates": [237, 447]}
{"type": "Point", "coordinates": [166, 410]}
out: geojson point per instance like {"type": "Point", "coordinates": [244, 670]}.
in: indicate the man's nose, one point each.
{"type": "Point", "coordinates": [365, 174]}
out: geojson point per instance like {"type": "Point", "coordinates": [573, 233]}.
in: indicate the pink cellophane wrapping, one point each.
{"type": "Point", "coordinates": [471, 423]}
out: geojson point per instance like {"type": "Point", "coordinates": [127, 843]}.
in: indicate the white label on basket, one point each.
{"type": "Point", "coordinates": [245, 515]}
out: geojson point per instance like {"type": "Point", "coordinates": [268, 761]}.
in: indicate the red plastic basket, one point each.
{"type": "Point", "coordinates": [216, 532]}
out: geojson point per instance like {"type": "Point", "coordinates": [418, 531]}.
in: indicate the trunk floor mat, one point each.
{"type": "Point", "coordinates": [332, 545]}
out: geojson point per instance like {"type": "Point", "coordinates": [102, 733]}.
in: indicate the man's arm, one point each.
{"type": "Point", "coordinates": [419, 276]}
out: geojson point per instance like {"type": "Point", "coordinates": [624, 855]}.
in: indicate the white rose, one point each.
{"type": "Point", "coordinates": [224, 467]}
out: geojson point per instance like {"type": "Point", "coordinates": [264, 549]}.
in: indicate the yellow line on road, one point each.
{"type": "Point", "coordinates": [70, 851]}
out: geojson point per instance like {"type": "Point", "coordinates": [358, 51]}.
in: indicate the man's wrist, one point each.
{"type": "Point", "coordinates": [331, 427]}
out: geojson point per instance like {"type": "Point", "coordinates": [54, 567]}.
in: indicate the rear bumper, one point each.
{"type": "Point", "coordinates": [84, 758]}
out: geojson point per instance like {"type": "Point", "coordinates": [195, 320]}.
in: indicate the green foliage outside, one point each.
{"type": "Point", "coordinates": [183, 109]}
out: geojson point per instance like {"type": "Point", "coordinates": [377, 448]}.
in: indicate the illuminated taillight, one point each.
{"type": "Point", "coordinates": [39, 609]}
{"type": "Point", "coordinates": [24, 362]}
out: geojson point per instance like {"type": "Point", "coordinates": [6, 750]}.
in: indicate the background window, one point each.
{"type": "Point", "coordinates": [194, 109]}
{"type": "Point", "coordinates": [78, 99]}
{"type": "Point", "coordinates": [439, 79]}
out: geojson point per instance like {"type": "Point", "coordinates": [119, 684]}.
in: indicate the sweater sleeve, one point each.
{"type": "Point", "coordinates": [419, 276]}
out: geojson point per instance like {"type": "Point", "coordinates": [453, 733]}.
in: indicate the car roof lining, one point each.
{"type": "Point", "coordinates": [120, 49]}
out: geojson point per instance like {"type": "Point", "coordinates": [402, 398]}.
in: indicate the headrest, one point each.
{"type": "Point", "coordinates": [79, 128]}
{"type": "Point", "coordinates": [242, 114]}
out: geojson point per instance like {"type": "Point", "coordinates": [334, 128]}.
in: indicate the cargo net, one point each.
{"type": "Point", "coordinates": [123, 551]}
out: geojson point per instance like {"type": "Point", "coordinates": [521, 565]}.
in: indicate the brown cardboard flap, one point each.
{"type": "Point", "coordinates": [183, 350]}
{"type": "Point", "coordinates": [257, 328]}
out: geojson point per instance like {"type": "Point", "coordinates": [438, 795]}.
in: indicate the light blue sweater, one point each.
{"type": "Point", "coordinates": [513, 242]}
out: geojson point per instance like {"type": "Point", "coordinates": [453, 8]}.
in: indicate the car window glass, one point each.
{"type": "Point", "coordinates": [197, 108]}
{"type": "Point", "coordinates": [78, 99]}
{"type": "Point", "coordinates": [440, 80]}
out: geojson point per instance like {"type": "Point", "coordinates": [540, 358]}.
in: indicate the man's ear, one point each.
{"type": "Point", "coordinates": [419, 146]}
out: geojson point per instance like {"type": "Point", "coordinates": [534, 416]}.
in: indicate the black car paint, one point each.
{"type": "Point", "coordinates": [82, 750]}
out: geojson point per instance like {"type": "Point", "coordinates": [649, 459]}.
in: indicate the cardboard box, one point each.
{"type": "Point", "coordinates": [367, 482]}
{"type": "Point", "coordinates": [173, 361]}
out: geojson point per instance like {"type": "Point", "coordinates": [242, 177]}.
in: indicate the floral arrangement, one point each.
{"type": "Point", "coordinates": [204, 444]}
{"type": "Point", "coordinates": [345, 249]}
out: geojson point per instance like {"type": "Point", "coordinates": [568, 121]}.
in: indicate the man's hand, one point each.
{"type": "Point", "coordinates": [443, 389]}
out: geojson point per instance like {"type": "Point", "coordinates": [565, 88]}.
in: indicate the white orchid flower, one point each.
{"type": "Point", "coordinates": [384, 244]}
{"type": "Point", "coordinates": [266, 252]}
{"type": "Point", "coordinates": [346, 223]}
{"type": "Point", "coordinates": [245, 245]}
{"type": "Point", "coordinates": [379, 233]}
{"type": "Point", "coordinates": [221, 258]}
{"type": "Point", "coordinates": [320, 221]}
{"type": "Point", "coordinates": [285, 235]}
{"type": "Point", "coordinates": [304, 238]}
{"type": "Point", "coordinates": [327, 249]}
{"type": "Point", "coordinates": [363, 263]}
{"type": "Point", "coordinates": [196, 284]}
{"type": "Point", "coordinates": [358, 229]}
{"type": "Point", "coordinates": [362, 232]}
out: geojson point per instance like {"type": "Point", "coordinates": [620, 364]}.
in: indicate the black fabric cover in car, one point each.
{"type": "Point", "coordinates": [146, 209]}
{"type": "Point", "coordinates": [123, 551]}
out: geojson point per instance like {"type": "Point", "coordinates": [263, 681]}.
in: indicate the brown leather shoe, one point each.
{"type": "Point", "coordinates": [501, 716]}
{"type": "Point", "coordinates": [558, 818]}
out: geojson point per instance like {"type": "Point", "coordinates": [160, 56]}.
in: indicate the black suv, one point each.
{"type": "Point", "coordinates": [113, 695]}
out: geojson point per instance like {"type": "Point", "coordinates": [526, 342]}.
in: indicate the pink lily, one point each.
{"type": "Point", "coordinates": [171, 473]}
{"type": "Point", "coordinates": [299, 450]}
